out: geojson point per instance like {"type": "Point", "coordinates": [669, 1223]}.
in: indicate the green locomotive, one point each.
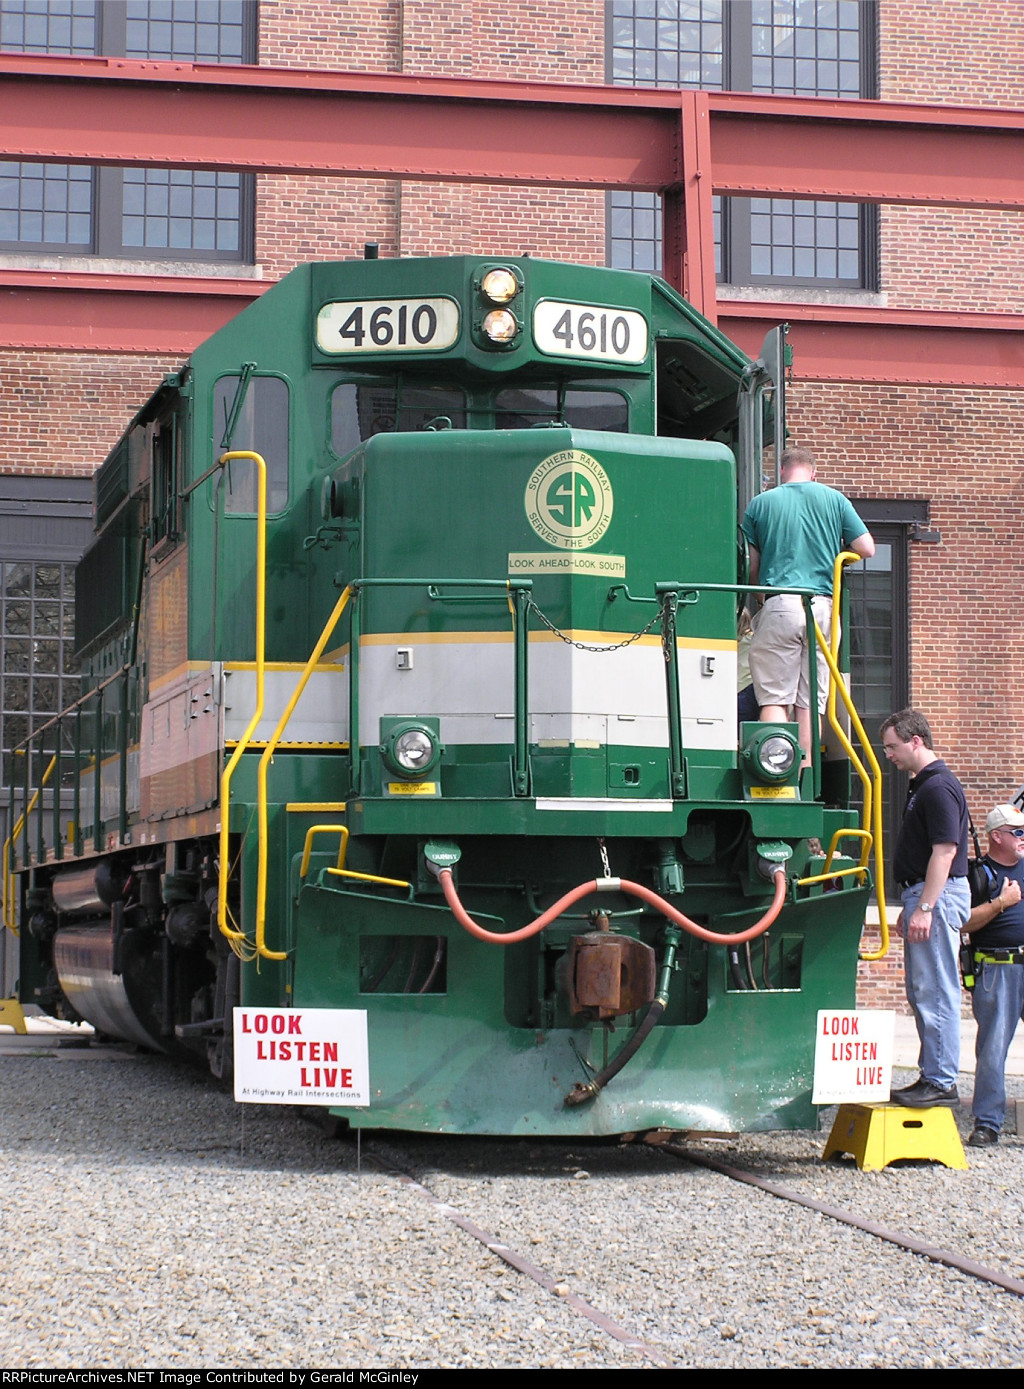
{"type": "Point", "coordinates": [408, 636]}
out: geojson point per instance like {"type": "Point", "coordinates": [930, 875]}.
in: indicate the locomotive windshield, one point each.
{"type": "Point", "coordinates": [524, 407]}
{"type": "Point", "coordinates": [359, 410]}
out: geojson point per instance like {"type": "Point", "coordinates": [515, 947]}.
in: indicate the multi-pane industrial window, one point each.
{"type": "Point", "coordinates": [36, 641]}
{"type": "Point", "coordinates": [48, 26]}
{"type": "Point", "coordinates": [165, 214]}
{"type": "Point", "coordinates": [674, 44]}
{"type": "Point", "coordinates": [801, 47]}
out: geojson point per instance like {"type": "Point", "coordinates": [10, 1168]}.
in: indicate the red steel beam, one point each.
{"type": "Point", "coordinates": [887, 345]}
{"type": "Point", "coordinates": [170, 316]}
{"type": "Point", "coordinates": [164, 315]}
{"type": "Point", "coordinates": [123, 111]}
{"type": "Point", "coordinates": [688, 240]}
{"type": "Point", "coordinates": [866, 151]}
{"type": "Point", "coordinates": [685, 144]}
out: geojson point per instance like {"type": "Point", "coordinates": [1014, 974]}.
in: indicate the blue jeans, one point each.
{"type": "Point", "coordinates": [997, 1001]}
{"type": "Point", "coordinates": [933, 980]}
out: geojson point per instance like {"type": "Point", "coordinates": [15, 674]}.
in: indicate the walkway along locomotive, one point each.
{"type": "Point", "coordinates": [408, 643]}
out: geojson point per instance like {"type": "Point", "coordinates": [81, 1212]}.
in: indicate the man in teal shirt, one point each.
{"type": "Point", "coordinates": [795, 533]}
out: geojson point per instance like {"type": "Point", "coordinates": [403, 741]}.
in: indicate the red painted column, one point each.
{"type": "Point", "coordinates": [688, 235]}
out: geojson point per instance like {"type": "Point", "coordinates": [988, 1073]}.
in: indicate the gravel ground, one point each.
{"type": "Point", "coordinates": [151, 1222]}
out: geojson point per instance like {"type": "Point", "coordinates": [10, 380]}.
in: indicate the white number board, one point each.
{"type": "Point", "coordinates": [590, 331]}
{"type": "Point", "coordinates": [348, 326]}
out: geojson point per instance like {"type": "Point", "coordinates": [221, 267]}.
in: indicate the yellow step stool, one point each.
{"type": "Point", "coordinates": [11, 1014]}
{"type": "Point", "coordinates": [877, 1134]}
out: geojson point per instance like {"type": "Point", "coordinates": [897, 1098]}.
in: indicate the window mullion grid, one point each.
{"type": "Point", "coordinates": [231, 237]}
{"type": "Point", "coordinates": [800, 263]}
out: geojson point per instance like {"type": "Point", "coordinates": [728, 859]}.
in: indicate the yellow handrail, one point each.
{"type": "Point", "coordinates": [237, 937]}
{"type": "Point", "coordinates": [307, 847]}
{"type": "Point", "coordinates": [340, 871]}
{"type": "Point", "coordinates": [19, 825]}
{"type": "Point", "coordinates": [866, 838]}
{"type": "Point", "coordinates": [872, 787]}
{"type": "Point", "coordinates": [827, 872]}
{"type": "Point", "coordinates": [366, 877]}
{"type": "Point", "coordinates": [268, 753]}
{"type": "Point", "coordinates": [846, 557]}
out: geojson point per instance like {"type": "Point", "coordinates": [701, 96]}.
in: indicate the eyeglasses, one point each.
{"type": "Point", "coordinates": [1017, 834]}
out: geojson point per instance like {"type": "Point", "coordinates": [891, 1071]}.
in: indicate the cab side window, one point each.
{"type": "Point", "coordinates": [166, 438]}
{"type": "Point", "coordinates": [260, 425]}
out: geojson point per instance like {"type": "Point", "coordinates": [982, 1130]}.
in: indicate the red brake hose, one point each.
{"type": "Point", "coordinates": [611, 885]}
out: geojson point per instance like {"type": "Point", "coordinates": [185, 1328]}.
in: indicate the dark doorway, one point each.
{"type": "Point", "coordinates": [878, 593]}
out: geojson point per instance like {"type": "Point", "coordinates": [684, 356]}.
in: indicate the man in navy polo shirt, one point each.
{"type": "Point", "coordinates": [997, 938]}
{"type": "Point", "coordinates": [930, 866]}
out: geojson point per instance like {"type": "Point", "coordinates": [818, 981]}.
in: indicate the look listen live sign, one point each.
{"type": "Point", "coordinates": [301, 1056]}
{"type": "Point", "coordinates": [853, 1056]}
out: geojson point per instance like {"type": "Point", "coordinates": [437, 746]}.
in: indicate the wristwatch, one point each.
{"type": "Point", "coordinates": [925, 907]}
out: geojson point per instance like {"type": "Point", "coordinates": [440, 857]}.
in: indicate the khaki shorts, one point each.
{"type": "Point", "coordinates": [778, 651]}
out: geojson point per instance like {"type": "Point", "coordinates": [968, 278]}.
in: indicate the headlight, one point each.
{"type": "Point", "coordinates": [771, 754]}
{"type": "Point", "coordinates": [776, 756]}
{"type": "Point", "coordinates": [410, 748]}
{"type": "Point", "coordinates": [499, 286]}
{"type": "Point", "coordinates": [414, 750]}
{"type": "Point", "coordinates": [500, 325]}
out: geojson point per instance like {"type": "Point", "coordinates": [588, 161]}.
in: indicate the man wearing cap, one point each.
{"type": "Point", "coordinates": [930, 866]}
{"type": "Point", "coordinates": [794, 533]}
{"type": "Point", "coordinates": [997, 939]}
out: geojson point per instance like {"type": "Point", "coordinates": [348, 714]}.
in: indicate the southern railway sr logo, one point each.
{"type": "Point", "coordinates": [569, 500]}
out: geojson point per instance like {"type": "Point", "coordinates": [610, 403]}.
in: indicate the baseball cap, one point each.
{"type": "Point", "coordinates": [1004, 815]}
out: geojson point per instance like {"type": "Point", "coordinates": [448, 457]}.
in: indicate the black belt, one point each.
{"type": "Point", "coordinates": [919, 882]}
{"type": "Point", "coordinates": [796, 595]}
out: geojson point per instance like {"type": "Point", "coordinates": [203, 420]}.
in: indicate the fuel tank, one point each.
{"type": "Point", "coordinates": [89, 889]}
{"type": "Point", "coordinates": [120, 1004]}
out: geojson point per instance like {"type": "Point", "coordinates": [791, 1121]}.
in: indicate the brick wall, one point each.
{"type": "Point", "coordinates": [880, 982]}
{"type": "Point", "coordinates": [301, 219]}
{"type": "Point", "coordinates": [958, 53]}
{"type": "Point", "coordinates": [321, 218]}
{"type": "Point", "coordinates": [481, 219]}
{"type": "Point", "coordinates": [550, 40]}
{"type": "Point", "coordinates": [64, 411]}
{"type": "Point", "coordinates": [955, 259]}
{"type": "Point", "coordinates": [956, 449]}
{"type": "Point", "coordinates": [356, 35]}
